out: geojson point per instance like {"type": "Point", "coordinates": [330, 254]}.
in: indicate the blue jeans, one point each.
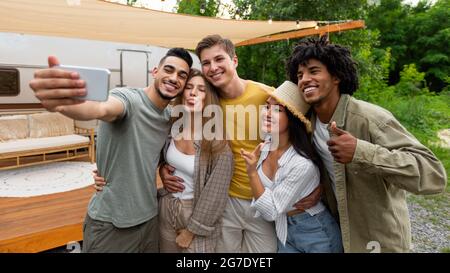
{"type": "Point", "coordinates": [312, 234]}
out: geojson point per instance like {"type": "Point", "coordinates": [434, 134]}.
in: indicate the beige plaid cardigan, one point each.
{"type": "Point", "coordinates": [211, 182]}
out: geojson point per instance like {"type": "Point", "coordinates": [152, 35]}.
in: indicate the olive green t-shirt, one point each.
{"type": "Point", "coordinates": [128, 152]}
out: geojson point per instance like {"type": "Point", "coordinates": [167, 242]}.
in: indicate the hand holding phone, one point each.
{"type": "Point", "coordinates": [96, 79]}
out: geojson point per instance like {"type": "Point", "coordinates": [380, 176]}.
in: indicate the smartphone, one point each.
{"type": "Point", "coordinates": [97, 81]}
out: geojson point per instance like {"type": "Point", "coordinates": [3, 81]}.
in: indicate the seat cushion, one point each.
{"type": "Point", "coordinates": [22, 145]}
{"type": "Point", "coordinates": [50, 125]}
{"type": "Point", "coordinates": [13, 127]}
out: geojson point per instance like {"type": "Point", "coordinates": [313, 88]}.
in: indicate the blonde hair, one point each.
{"type": "Point", "coordinates": [209, 148]}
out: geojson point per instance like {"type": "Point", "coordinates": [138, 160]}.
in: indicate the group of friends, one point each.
{"type": "Point", "coordinates": [335, 180]}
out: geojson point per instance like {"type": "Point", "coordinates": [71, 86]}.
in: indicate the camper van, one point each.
{"type": "Point", "coordinates": [21, 55]}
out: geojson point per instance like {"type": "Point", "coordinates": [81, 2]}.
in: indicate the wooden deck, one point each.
{"type": "Point", "coordinates": [35, 224]}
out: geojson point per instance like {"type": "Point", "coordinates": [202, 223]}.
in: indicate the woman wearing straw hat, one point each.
{"type": "Point", "coordinates": [284, 171]}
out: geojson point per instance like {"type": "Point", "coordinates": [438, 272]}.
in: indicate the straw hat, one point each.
{"type": "Point", "coordinates": [288, 95]}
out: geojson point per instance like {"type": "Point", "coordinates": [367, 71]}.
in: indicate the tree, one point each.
{"type": "Point", "coordinates": [416, 35]}
{"type": "Point", "coordinates": [265, 62]}
{"type": "Point", "coordinates": [199, 7]}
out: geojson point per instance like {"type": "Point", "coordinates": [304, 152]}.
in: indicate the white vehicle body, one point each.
{"type": "Point", "coordinates": [130, 64]}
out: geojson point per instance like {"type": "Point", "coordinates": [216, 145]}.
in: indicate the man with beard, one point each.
{"type": "Point", "coordinates": [134, 128]}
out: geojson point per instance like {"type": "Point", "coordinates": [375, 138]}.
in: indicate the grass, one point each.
{"type": "Point", "coordinates": [445, 250]}
{"type": "Point", "coordinates": [443, 155]}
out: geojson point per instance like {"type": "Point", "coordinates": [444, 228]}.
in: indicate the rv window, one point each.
{"type": "Point", "coordinates": [9, 82]}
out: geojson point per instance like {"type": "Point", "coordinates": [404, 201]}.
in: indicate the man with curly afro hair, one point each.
{"type": "Point", "coordinates": [370, 159]}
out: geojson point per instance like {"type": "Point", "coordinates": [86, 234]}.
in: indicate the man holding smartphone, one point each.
{"type": "Point", "coordinates": [134, 127]}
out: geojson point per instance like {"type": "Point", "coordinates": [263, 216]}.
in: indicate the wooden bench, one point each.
{"type": "Point", "coordinates": [33, 139]}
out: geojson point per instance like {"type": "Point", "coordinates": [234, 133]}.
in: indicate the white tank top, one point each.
{"type": "Point", "coordinates": [184, 168]}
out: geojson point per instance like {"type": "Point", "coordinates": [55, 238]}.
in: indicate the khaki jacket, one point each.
{"type": "Point", "coordinates": [371, 190]}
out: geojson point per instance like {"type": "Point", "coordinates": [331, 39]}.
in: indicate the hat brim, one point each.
{"type": "Point", "coordinates": [292, 109]}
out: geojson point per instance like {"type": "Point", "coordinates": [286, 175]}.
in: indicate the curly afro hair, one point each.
{"type": "Point", "coordinates": [336, 58]}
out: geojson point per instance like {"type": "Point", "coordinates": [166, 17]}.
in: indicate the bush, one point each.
{"type": "Point", "coordinates": [422, 112]}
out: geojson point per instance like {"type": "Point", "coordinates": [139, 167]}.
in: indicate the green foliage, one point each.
{"type": "Point", "coordinates": [255, 62]}
{"type": "Point", "coordinates": [266, 62]}
{"type": "Point", "coordinates": [321, 10]}
{"type": "Point", "coordinates": [422, 112]}
{"type": "Point", "coordinates": [417, 35]}
{"type": "Point", "coordinates": [412, 82]}
{"type": "Point", "coordinates": [194, 7]}
{"type": "Point", "coordinates": [445, 250]}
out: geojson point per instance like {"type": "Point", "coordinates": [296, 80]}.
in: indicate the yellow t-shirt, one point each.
{"type": "Point", "coordinates": [243, 134]}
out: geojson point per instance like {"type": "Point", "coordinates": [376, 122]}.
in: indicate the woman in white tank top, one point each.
{"type": "Point", "coordinates": [190, 221]}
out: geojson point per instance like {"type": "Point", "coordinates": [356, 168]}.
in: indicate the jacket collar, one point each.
{"type": "Point", "coordinates": [340, 114]}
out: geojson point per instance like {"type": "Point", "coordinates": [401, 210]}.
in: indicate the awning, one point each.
{"type": "Point", "coordinates": [100, 20]}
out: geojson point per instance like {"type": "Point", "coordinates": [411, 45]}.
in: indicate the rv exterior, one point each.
{"type": "Point", "coordinates": [21, 55]}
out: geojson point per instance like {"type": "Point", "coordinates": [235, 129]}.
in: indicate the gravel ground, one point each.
{"type": "Point", "coordinates": [430, 229]}
{"type": "Point", "coordinates": [430, 217]}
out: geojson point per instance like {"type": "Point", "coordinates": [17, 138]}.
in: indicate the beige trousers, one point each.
{"type": "Point", "coordinates": [243, 233]}
{"type": "Point", "coordinates": [174, 215]}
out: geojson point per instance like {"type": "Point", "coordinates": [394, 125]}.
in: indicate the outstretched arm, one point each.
{"type": "Point", "coordinates": [55, 88]}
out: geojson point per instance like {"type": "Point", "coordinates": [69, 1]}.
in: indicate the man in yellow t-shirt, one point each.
{"type": "Point", "coordinates": [240, 101]}
{"type": "Point", "coordinates": [241, 116]}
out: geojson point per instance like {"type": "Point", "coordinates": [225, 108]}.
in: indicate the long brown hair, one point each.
{"type": "Point", "coordinates": [209, 148]}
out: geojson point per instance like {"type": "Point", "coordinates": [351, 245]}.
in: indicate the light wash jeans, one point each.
{"type": "Point", "coordinates": [312, 234]}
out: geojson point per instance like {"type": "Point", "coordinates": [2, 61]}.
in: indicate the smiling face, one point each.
{"type": "Point", "coordinates": [194, 94]}
{"type": "Point", "coordinates": [170, 77]}
{"type": "Point", "coordinates": [217, 66]}
{"type": "Point", "coordinates": [275, 119]}
{"type": "Point", "coordinates": [316, 84]}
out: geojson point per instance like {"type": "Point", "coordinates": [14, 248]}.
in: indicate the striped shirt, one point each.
{"type": "Point", "coordinates": [295, 179]}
